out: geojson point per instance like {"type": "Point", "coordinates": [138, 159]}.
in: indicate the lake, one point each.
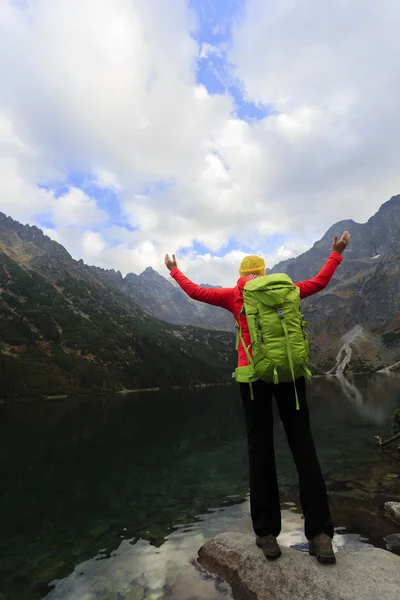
{"type": "Point", "coordinates": [111, 497]}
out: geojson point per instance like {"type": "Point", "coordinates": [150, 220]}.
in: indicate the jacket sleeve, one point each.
{"type": "Point", "coordinates": [216, 296]}
{"type": "Point", "coordinates": [320, 281]}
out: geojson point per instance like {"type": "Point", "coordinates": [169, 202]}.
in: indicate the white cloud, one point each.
{"type": "Point", "coordinates": [20, 171]}
{"type": "Point", "coordinates": [75, 208]}
{"type": "Point", "coordinates": [224, 270]}
{"type": "Point", "coordinates": [106, 180]}
{"type": "Point", "coordinates": [333, 72]}
{"type": "Point", "coordinates": [117, 89]}
{"type": "Point", "coordinates": [92, 246]}
{"type": "Point", "coordinates": [107, 88]}
{"type": "Point", "coordinates": [53, 234]}
{"type": "Point", "coordinates": [109, 82]}
{"type": "Point", "coordinates": [209, 50]}
{"type": "Point", "coordinates": [201, 268]}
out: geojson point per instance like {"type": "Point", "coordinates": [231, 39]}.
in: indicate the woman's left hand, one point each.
{"type": "Point", "coordinates": [341, 245]}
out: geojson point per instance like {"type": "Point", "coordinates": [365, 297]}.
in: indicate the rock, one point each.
{"type": "Point", "coordinates": [392, 541]}
{"type": "Point", "coordinates": [392, 510]}
{"type": "Point", "coordinates": [52, 569]}
{"type": "Point", "coordinates": [100, 529]}
{"type": "Point", "coordinates": [364, 574]}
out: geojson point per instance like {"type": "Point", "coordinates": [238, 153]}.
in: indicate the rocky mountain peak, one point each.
{"type": "Point", "coordinates": [149, 274]}
{"type": "Point", "coordinates": [109, 276]}
{"type": "Point", "coordinates": [338, 229]}
{"type": "Point", "coordinates": [29, 234]}
{"type": "Point", "coordinates": [393, 203]}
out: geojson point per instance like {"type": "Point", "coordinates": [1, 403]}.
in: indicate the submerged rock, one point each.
{"type": "Point", "coordinates": [392, 510]}
{"type": "Point", "coordinates": [364, 574]}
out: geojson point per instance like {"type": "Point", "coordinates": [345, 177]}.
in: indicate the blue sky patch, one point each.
{"type": "Point", "coordinates": [215, 21]}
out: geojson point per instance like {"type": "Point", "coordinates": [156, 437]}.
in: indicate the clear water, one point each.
{"type": "Point", "coordinates": [111, 497]}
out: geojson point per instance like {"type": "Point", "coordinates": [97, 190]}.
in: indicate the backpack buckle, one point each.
{"type": "Point", "coordinates": [280, 314]}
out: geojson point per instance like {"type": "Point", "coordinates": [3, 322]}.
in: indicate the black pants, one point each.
{"type": "Point", "coordinates": [264, 492]}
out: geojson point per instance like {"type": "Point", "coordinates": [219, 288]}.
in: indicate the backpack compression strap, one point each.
{"type": "Point", "coordinates": [289, 352]}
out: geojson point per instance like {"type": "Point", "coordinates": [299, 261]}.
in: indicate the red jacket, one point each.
{"type": "Point", "coordinates": [232, 299]}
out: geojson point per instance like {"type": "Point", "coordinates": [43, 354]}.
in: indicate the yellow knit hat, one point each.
{"type": "Point", "coordinates": [252, 265]}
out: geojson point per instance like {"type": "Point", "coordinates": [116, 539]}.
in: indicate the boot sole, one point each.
{"type": "Point", "coordinates": [324, 560]}
{"type": "Point", "coordinates": [273, 556]}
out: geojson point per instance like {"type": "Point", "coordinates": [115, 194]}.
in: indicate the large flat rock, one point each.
{"type": "Point", "coordinates": [367, 574]}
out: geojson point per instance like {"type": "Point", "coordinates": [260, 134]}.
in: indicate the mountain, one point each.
{"type": "Point", "coordinates": [355, 321]}
{"type": "Point", "coordinates": [65, 325]}
{"type": "Point", "coordinates": [63, 329]}
{"type": "Point", "coordinates": [163, 299]}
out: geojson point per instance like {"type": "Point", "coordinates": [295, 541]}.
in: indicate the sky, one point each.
{"type": "Point", "coordinates": [208, 128]}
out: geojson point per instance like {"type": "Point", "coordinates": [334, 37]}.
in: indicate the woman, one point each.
{"type": "Point", "coordinates": [264, 492]}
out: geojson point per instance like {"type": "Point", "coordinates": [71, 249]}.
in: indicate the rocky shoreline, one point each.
{"type": "Point", "coordinates": [364, 574]}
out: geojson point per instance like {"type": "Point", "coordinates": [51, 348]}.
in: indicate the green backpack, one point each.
{"type": "Point", "coordinates": [279, 344]}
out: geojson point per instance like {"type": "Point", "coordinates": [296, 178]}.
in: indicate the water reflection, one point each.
{"type": "Point", "coordinates": [143, 571]}
{"type": "Point", "coordinates": [129, 475]}
{"type": "Point", "coordinates": [350, 390]}
{"type": "Point", "coordinates": [371, 396]}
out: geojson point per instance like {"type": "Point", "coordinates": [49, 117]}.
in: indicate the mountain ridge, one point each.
{"type": "Point", "coordinates": [354, 322]}
{"type": "Point", "coordinates": [63, 329]}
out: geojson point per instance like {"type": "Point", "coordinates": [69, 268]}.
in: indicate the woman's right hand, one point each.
{"type": "Point", "coordinates": [170, 264]}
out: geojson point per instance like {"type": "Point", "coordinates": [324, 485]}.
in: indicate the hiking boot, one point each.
{"type": "Point", "coordinates": [321, 547]}
{"type": "Point", "coordinates": [269, 546]}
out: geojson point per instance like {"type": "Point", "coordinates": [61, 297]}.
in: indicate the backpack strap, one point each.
{"type": "Point", "coordinates": [289, 351]}
{"type": "Point", "coordinates": [238, 334]}
{"type": "Point", "coordinates": [246, 349]}
{"type": "Point", "coordinates": [237, 326]}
